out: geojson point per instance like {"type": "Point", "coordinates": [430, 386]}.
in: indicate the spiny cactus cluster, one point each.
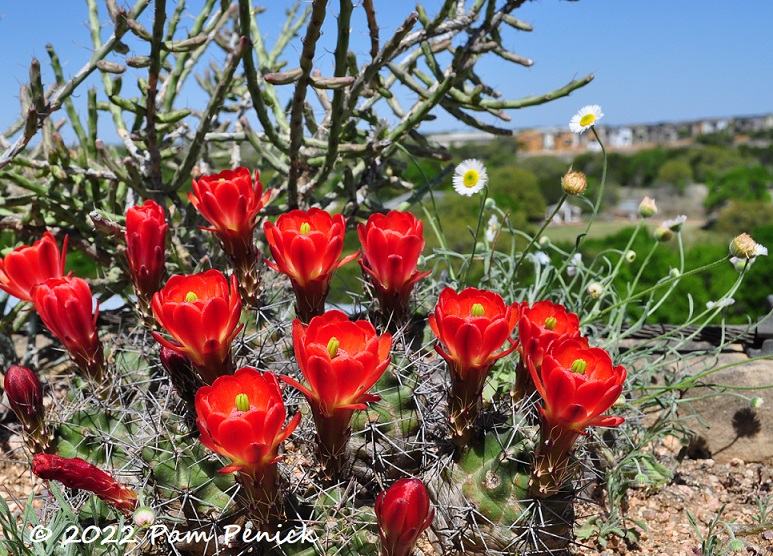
{"type": "Point", "coordinates": [371, 405]}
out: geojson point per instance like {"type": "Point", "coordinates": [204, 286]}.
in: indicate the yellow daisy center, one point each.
{"type": "Point", "coordinates": [587, 120]}
{"type": "Point", "coordinates": [242, 402]}
{"type": "Point", "coordinates": [470, 178]}
{"type": "Point", "coordinates": [305, 228]}
{"type": "Point", "coordinates": [190, 297]}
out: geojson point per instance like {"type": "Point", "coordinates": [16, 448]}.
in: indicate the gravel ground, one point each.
{"type": "Point", "coordinates": [737, 495]}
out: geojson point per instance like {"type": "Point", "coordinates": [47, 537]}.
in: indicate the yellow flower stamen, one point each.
{"type": "Point", "coordinates": [587, 119]}
{"type": "Point", "coordinates": [477, 310]}
{"type": "Point", "coordinates": [305, 228]}
{"type": "Point", "coordinates": [242, 402]}
{"type": "Point", "coordinates": [332, 346]}
{"type": "Point", "coordinates": [190, 297]}
{"type": "Point", "coordinates": [579, 366]}
{"type": "Point", "coordinates": [550, 323]}
{"type": "Point", "coordinates": [471, 178]}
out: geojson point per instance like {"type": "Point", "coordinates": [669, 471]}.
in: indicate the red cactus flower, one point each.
{"type": "Point", "coordinates": [403, 512]}
{"type": "Point", "coordinates": [306, 247]}
{"type": "Point", "coordinates": [242, 417]}
{"type": "Point", "coordinates": [77, 473]}
{"type": "Point", "coordinates": [231, 201]}
{"type": "Point", "coordinates": [538, 327]}
{"type": "Point", "coordinates": [65, 307]}
{"type": "Point", "coordinates": [145, 247]}
{"type": "Point", "coordinates": [340, 361]}
{"type": "Point", "coordinates": [391, 246]}
{"type": "Point", "coordinates": [201, 313]}
{"type": "Point", "coordinates": [29, 265]}
{"type": "Point", "coordinates": [472, 325]}
{"type": "Point", "coordinates": [25, 396]}
{"type": "Point", "coordinates": [577, 385]}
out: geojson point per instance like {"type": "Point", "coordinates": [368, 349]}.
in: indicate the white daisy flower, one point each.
{"type": "Point", "coordinates": [542, 258]}
{"type": "Point", "coordinates": [492, 228]}
{"type": "Point", "coordinates": [586, 118]}
{"type": "Point", "coordinates": [470, 177]}
{"type": "Point", "coordinates": [675, 224]}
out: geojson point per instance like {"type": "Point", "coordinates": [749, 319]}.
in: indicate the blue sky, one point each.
{"type": "Point", "coordinates": [653, 60]}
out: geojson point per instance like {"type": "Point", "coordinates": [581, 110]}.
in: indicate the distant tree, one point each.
{"type": "Point", "coordinates": [713, 160]}
{"type": "Point", "coordinates": [739, 184]}
{"type": "Point", "coordinates": [549, 170]}
{"type": "Point", "coordinates": [741, 216]}
{"type": "Point", "coordinates": [676, 172]}
{"type": "Point", "coordinates": [723, 138]}
{"type": "Point", "coordinates": [517, 190]}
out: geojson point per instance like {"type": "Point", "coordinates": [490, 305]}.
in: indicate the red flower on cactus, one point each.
{"type": "Point", "coordinates": [77, 473]}
{"type": "Point", "coordinates": [403, 512]}
{"type": "Point", "coordinates": [306, 246]}
{"type": "Point", "coordinates": [473, 326]}
{"type": "Point", "coordinates": [577, 385]}
{"type": "Point", "coordinates": [242, 418]}
{"type": "Point", "coordinates": [201, 312]}
{"type": "Point", "coordinates": [391, 246]}
{"type": "Point", "coordinates": [65, 307]}
{"type": "Point", "coordinates": [29, 265]}
{"type": "Point", "coordinates": [340, 361]}
{"type": "Point", "coordinates": [231, 201]}
{"type": "Point", "coordinates": [145, 246]}
{"type": "Point", "coordinates": [541, 324]}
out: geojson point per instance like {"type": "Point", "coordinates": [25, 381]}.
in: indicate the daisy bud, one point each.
{"type": "Point", "coordinates": [144, 517]}
{"type": "Point", "coordinates": [630, 256]}
{"type": "Point", "coordinates": [574, 183]}
{"type": "Point", "coordinates": [663, 234]}
{"type": "Point", "coordinates": [544, 241]}
{"type": "Point", "coordinates": [595, 290]}
{"type": "Point", "coordinates": [756, 402]}
{"type": "Point", "coordinates": [744, 247]}
{"type": "Point", "coordinates": [490, 204]}
{"type": "Point", "coordinates": [647, 207]}
{"type": "Point", "coordinates": [675, 273]}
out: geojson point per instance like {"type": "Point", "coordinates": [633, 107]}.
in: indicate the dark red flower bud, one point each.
{"type": "Point", "coordinates": [403, 513]}
{"type": "Point", "coordinates": [25, 395]}
{"type": "Point", "coordinates": [145, 246]}
{"type": "Point", "coordinates": [78, 473]}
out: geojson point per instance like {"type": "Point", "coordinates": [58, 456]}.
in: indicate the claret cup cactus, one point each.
{"type": "Point", "coordinates": [432, 400]}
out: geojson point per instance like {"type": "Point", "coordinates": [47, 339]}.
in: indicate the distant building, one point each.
{"type": "Point", "coordinates": [560, 140]}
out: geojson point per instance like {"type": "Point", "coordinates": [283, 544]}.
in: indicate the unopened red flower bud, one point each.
{"type": "Point", "coordinates": [25, 396]}
{"type": "Point", "coordinates": [574, 183]}
{"type": "Point", "coordinates": [78, 473]}
{"type": "Point", "coordinates": [403, 512]}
